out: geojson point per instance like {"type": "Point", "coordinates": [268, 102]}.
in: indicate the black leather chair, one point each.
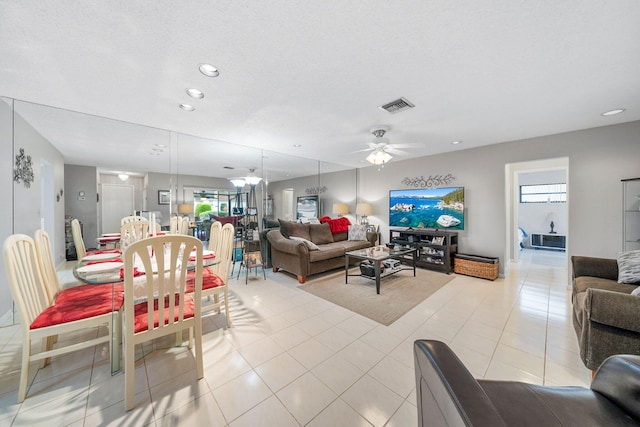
{"type": "Point", "coordinates": [448, 395]}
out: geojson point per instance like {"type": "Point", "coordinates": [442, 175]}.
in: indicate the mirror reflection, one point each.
{"type": "Point", "coordinates": [99, 170]}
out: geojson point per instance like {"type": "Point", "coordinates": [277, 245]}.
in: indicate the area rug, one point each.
{"type": "Point", "coordinates": [399, 292]}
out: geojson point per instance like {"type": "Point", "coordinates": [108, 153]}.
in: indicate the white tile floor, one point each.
{"type": "Point", "coordinates": [293, 359]}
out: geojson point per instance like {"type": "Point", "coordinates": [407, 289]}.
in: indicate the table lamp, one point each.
{"type": "Point", "coordinates": [364, 210]}
{"type": "Point", "coordinates": [185, 209]}
{"type": "Point", "coordinates": [340, 209]}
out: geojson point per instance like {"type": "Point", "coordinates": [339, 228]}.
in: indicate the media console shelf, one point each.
{"type": "Point", "coordinates": [435, 248]}
{"type": "Point", "coordinates": [549, 241]}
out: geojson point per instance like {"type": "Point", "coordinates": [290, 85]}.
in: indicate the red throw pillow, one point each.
{"type": "Point", "coordinates": [338, 225]}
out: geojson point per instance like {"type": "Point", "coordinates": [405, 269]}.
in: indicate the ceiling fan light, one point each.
{"type": "Point", "coordinates": [252, 179]}
{"type": "Point", "coordinates": [379, 157]}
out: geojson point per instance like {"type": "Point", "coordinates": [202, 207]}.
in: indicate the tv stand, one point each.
{"type": "Point", "coordinates": [548, 241]}
{"type": "Point", "coordinates": [436, 248]}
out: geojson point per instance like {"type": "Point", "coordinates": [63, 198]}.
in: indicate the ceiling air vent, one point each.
{"type": "Point", "coordinates": [228, 167]}
{"type": "Point", "coordinates": [396, 106]}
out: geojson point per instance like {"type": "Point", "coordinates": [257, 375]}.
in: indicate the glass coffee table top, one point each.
{"type": "Point", "coordinates": [379, 252]}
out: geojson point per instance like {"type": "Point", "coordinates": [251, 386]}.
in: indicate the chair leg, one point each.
{"type": "Point", "coordinates": [24, 372]}
{"type": "Point", "coordinates": [47, 345]}
{"type": "Point", "coordinates": [216, 300]}
{"type": "Point", "coordinates": [115, 344]}
{"type": "Point", "coordinates": [197, 329]}
{"type": "Point", "coordinates": [226, 308]}
{"type": "Point", "coordinates": [129, 375]}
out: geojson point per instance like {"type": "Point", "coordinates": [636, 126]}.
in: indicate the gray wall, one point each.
{"type": "Point", "coordinates": [24, 208]}
{"type": "Point", "coordinates": [598, 159]}
{"type": "Point", "coordinates": [76, 179]}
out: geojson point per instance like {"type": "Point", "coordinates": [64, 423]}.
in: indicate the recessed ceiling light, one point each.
{"type": "Point", "coordinates": [209, 70]}
{"type": "Point", "coordinates": [456, 142]}
{"type": "Point", "coordinates": [161, 145]}
{"type": "Point", "coordinates": [187, 107]}
{"type": "Point", "coordinates": [297, 145]}
{"type": "Point", "coordinates": [157, 149]}
{"type": "Point", "coordinates": [613, 112]}
{"type": "Point", "coordinates": [195, 93]}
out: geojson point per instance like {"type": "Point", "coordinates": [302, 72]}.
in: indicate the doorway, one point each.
{"type": "Point", "coordinates": [529, 220]}
{"type": "Point", "coordinates": [287, 204]}
{"type": "Point", "coordinates": [117, 202]}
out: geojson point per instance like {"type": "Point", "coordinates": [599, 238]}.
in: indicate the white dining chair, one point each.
{"type": "Point", "coordinates": [51, 280]}
{"type": "Point", "coordinates": [215, 279]}
{"type": "Point", "coordinates": [173, 224]}
{"type": "Point", "coordinates": [40, 319]}
{"type": "Point", "coordinates": [132, 232]}
{"type": "Point", "coordinates": [214, 236]}
{"type": "Point", "coordinates": [183, 225]}
{"type": "Point", "coordinates": [78, 241]}
{"type": "Point", "coordinates": [156, 302]}
{"type": "Point", "coordinates": [131, 218]}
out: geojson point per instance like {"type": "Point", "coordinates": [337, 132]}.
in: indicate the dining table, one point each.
{"type": "Point", "coordinates": [107, 268]}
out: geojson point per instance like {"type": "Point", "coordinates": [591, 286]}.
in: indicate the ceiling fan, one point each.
{"type": "Point", "coordinates": [381, 149]}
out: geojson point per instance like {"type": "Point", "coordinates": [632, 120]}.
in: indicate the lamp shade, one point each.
{"type": "Point", "coordinates": [363, 209]}
{"type": "Point", "coordinates": [238, 182]}
{"type": "Point", "coordinates": [185, 208]}
{"type": "Point", "coordinates": [340, 208]}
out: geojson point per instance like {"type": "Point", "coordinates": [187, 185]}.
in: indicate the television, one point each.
{"type": "Point", "coordinates": [307, 207]}
{"type": "Point", "coordinates": [438, 208]}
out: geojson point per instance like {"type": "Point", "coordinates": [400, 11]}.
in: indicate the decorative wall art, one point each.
{"type": "Point", "coordinates": [164, 197]}
{"type": "Point", "coordinates": [432, 181]}
{"type": "Point", "coordinates": [316, 190]}
{"type": "Point", "coordinates": [23, 171]}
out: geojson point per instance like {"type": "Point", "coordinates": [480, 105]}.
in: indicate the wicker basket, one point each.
{"type": "Point", "coordinates": [476, 266]}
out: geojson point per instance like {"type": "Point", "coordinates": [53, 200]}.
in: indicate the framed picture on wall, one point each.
{"type": "Point", "coordinates": [164, 197]}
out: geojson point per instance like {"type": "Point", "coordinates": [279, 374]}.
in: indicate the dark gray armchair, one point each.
{"type": "Point", "coordinates": [448, 395]}
{"type": "Point", "coordinates": [606, 317]}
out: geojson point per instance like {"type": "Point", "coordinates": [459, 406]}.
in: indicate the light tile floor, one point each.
{"type": "Point", "coordinates": [293, 359]}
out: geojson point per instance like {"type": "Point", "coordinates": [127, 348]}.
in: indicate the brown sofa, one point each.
{"type": "Point", "coordinates": [448, 395]}
{"type": "Point", "coordinates": [295, 256]}
{"type": "Point", "coordinates": [605, 317]}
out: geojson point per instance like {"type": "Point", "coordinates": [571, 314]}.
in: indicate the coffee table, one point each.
{"type": "Point", "coordinates": [377, 255]}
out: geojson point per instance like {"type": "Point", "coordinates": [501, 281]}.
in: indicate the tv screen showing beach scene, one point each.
{"type": "Point", "coordinates": [440, 208]}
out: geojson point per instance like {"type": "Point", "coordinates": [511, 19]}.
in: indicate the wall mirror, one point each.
{"type": "Point", "coordinates": [63, 144]}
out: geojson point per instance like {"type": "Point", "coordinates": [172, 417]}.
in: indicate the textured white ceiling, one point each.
{"type": "Point", "coordinates": [314, 74]}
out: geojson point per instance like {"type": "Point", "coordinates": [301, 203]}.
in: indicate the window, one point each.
{"type": "Point", "coordinates": [543, 193]}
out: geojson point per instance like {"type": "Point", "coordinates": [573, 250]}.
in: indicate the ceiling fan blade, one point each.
{"type": "Point", "coordinates": [408, 145]}
{"type": "Point", "coordinates": [393, 150]}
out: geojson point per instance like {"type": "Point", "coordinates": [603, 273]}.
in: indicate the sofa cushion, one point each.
{"type": "Point", "coordinates": [320, 233]}
{"type": "Point", "coordinates": [312, 246]}
{"type": "Point", "coordinates": [357, 232]}
{"type": "Point", "coordinates": [328, 251]}
{"type": "Point", "coordinates": [289, 229]}
{"type": "Point", "coordinates": [629, 267]}
{"type": "Point", "coordinates": [582, 283]}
